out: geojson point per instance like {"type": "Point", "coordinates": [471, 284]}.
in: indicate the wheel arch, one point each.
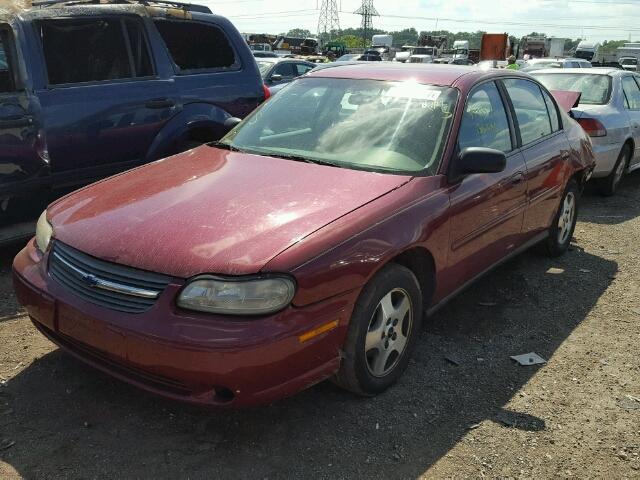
{"type": "Point", "coordinates": [421, 263]}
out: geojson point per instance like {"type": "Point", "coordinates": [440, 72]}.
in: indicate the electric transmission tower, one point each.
{"type": "Point", "coordinates": [368, 11]}
{"type": "Point", "coordinates": [328, 21]}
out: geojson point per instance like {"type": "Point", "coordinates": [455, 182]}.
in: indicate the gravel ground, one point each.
{"type": "Point", "coordinates": [463, 408]}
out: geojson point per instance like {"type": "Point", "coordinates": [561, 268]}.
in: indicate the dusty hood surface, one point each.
{"type": "Point", "coordinates": [210, 211]}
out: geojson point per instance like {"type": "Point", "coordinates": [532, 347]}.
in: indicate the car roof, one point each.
{"type": "Point", "coordinates": [586, 71]}
{"type": "Point", "coordinates": [62, 10]}
{"type": "Point", "coordinates": [282, 60]}
{"type": "Point", "coordinates": [434, 74]}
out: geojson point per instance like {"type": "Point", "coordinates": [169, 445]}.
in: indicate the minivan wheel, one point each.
{"type": "Point", "coordinates": [564, 223]}
{"type": "Point", "coordinates": [382, 332]}
{"type": "Point", "coordinates": [609, 184]}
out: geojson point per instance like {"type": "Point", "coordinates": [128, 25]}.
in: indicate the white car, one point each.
{"type": "Point", "coordinates": [609, 111]}
{"type": "Point", "coordinates": [541, 63]}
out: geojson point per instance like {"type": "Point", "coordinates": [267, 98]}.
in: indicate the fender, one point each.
{"type": "Point", "coordinates": [192, 116]}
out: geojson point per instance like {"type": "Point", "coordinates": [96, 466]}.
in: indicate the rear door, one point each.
{"type": "Point", "coordinates": [545, 149]}
{"type": "Point", "coordinates": [209, 67]}
{"type": "Point", "coordinates": [21, 160]}
{"type": "Point", "coordinates": [103, 101]}
{"type": "Point", "coordinates": [487, 209]}
{"type": "Point", "coordinates": [632, 105]}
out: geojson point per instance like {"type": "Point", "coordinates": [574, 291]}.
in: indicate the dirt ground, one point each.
{"type": "Point", "coordinates": [577, 416]}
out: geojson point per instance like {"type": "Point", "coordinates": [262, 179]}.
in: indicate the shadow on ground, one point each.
{"type": "Point", "coordinates": [9, 307]}
{"type": "Point", "coordinates": [68, 420]}
{"type": "Point", "coordinates": [620, 208]}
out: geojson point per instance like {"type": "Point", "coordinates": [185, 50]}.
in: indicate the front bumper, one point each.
{"type": "Point", "coordinates": [192, 357]}
{"type": "Point", "coordinates": [606, 156]}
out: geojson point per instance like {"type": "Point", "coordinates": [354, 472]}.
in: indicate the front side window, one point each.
{"type": "Point", "coordinates": [94, 50]}
{"type": "Point", "coordinates": [285, 69]}
{"type": "Point", "coordinates": [395, 127]}
{"type": "Point", "coordinates": [6, 74]}
{"type": "Point", "coordinates": [484, 122]}
{"type": "Point", "coordinates": [531, 109]}
{"type": "Point", "coordinates": [84, 50]}
{"type": "Point", "coordinates": [196, 46]}
{"type": "Point", "coordinates": [631, 93]}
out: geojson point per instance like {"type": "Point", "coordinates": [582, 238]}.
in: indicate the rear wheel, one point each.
{"type": "Point", "coordinates": [564, 223]}
{"type": "Point", "coordinates": [609, 184]}
{"type": "Point", "coordinates": [382, 333]}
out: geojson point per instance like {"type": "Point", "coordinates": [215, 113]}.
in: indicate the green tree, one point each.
{"type": "Point", "coordinates": [299, 33]}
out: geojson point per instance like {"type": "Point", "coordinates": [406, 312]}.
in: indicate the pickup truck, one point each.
{"type": "Point", "coordinates": [90, 88]}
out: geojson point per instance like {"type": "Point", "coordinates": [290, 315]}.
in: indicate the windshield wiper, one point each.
{"type": "Point", "coordinates": [224, 146]}
{"type": "Point", "coordinates": [299, 158]}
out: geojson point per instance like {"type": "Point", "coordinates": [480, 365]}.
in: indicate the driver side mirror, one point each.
{"type": "Point", "coordinates": [276, 77]}
{"type": "Point", "coordinates": [480, 160]}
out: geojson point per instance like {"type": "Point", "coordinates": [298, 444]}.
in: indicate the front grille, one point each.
{"type": "Point", "coordinates": [109, 285]}
{"type": "Point", "coordinates": [157, 382]}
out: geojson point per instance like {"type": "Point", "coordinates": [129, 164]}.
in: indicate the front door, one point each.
{"type": "Point", "coordinates": [487, 210]}
{"type": "Point", "coordinates": [23, 160]}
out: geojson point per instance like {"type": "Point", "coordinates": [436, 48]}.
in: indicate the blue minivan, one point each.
{"type": "Point", "coordinates": [91, 88]}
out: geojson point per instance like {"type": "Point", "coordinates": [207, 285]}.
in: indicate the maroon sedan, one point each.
{"type": "Point", "coordinates": [309, 242]}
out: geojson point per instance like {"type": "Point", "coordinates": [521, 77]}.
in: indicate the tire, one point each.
{"type": "Point", "coordinates": [609, 184]}
{"type": "Point", "coordinates": [365, 372]}
{"type": "Point", "coordinates": [564, 222]}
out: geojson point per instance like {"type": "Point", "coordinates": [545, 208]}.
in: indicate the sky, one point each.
{"type": "Point", "coordinates": [595, 20]}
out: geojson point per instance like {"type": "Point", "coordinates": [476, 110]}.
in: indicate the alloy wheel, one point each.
{"type": "Point", "coordinates": [567, 217]}
{"type": "Point", "coordinates": [388, 332]}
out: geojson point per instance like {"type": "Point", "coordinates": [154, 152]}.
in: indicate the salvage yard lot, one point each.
{"type": "Point", "coordinates": [477, 413]}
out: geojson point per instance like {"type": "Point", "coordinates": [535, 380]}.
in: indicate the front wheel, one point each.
{"type": "Point", "coordinates": [382, 332]}
{"type": "Point", "coordinates": [564, 223]}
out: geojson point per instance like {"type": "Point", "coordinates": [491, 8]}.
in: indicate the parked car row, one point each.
{"type": "Point", "coordinates": [308, 242]}
{"type": "Point", "coordinates": [311, 239]}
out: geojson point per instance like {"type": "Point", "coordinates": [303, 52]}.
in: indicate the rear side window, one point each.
{"type": "Point", "coordinates": [531, 109]}
{"type": "Point", "coordinates": [6, 75]}
{"type": "Point", "coordinates": [553, 112]}
{"type": "Point", "coordinates": [484, 122]}
{"type": "Point", "coordinates": [94, 50]}
{"type": "Point", "coordinates": [196, 46]}
{"type": "Point", "coordinates": [631, 93]}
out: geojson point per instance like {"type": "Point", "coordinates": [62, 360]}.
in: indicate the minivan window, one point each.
{"type": "Point", "coordinates": [595, 89]}
{"type": "Point", "coordinates": [196, 46]}
{"type": "Point", "coordinates": [531, 110]}
{"type": "Point", "coordinates": [85, 50]}
{"type": "Point", "coordinates": [484, 122]}
{"type": "Point", "coordinates": [6, 75]}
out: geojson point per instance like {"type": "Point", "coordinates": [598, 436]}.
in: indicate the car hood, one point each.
{"type": "Point", "coordinates": [210, 210]}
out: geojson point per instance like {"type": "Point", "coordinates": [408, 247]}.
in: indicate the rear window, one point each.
{"type": "Point", "coordinates": [197, 46]}
{"type": "Point", "coordinates": [94, 50]}
{"type": "Point", "coordinates": [595, 89]}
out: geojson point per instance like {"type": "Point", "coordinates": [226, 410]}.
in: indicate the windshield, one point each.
{"type": "Point", "coordinates": [629, 61]}
{"type": "Point", "coordinates": [347, 57]}
{"type": "Point", "coordinates": [396, 127]}
{"type": "Point", "coordinates": [423, 51]}
{"type": "Point", "coordinates": [264, 67]}
{"type": "Point", "coordinates": [595, 89]}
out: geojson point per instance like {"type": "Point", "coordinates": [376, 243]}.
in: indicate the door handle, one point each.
{"type": "Point", "coordinates": [16, 122]}
{"type": "Point", "coordinates": [517, 178]}
{"type": "Point", "coordinates": [160, 103]}
{"type": "Point", "coordinates": [564, 155]}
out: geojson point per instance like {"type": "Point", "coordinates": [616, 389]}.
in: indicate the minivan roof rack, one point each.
{"type": "Point", "coordinates": [190, 7]}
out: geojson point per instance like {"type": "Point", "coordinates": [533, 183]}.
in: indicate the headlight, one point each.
{"type": "Point", "coordinates": [44, 231]}
{"type": "Point", "coordinates": [238, 296]}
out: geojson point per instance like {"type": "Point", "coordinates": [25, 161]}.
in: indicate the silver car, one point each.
{"type": "Point", "coordinates": [609, 111]}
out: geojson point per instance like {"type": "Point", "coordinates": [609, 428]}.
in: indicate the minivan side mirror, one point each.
{"type": "Point", "coordinates": [276, 77]}
{"type": "Point", "coordinates": [480, 160]}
